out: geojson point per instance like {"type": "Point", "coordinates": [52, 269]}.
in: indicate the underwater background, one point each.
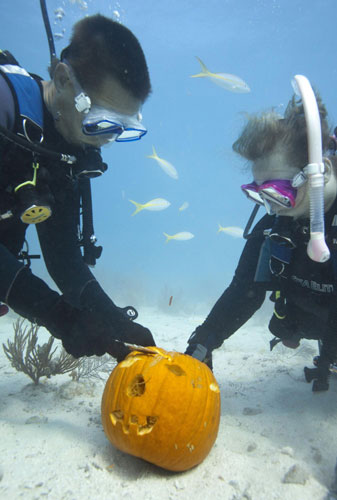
{"type": "Point", "coordinates": [192, 123]}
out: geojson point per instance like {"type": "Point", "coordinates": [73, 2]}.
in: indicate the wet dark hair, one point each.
{"type": "Point", "coordinates": [100, 47]}
{"type": "Point", "coordinates": [269, 132]}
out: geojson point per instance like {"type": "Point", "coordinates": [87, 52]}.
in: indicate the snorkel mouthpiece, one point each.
{"type": "Point", "coordinates": [317, 248]}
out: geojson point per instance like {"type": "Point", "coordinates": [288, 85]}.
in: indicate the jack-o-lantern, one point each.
{"type": "Point", "coordinates": [163, 407]}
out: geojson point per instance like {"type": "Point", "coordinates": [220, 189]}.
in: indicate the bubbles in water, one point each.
{"type": "Point", "coordinates": [59, 14]}
{"type": "Point", "coordinates": [82, 4]}
{"type": "Point", "coordinates": [60, 35]}
{"type": "Point", "coordinates": [117, 12]}
{"type": "Point", "coordinates": [116, 15]}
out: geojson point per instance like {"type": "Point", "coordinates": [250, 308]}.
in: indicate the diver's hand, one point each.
{"type": "Point", "coordinates": [88, 335]}
{"type": "Point", "coordinates": [134, 333]}
{"type": "Point", "coordinates": [201, 344]}
{"type": "Point", "coordinates": [82, 332]}
{"type": "Point", "coordinates": [200, 352]}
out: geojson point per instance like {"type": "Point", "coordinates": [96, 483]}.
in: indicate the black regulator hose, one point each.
{"type": "Point", "coordinates": [34, 148]}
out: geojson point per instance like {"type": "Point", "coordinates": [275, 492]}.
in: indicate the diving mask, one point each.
{"type": "Point", "coordinates": [277, 191]}
{"type": "Point", "coordinates": [115, 126]}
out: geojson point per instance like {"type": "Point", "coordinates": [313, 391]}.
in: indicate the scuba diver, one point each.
{"type": "Point", "coordinates": [51, 133]}
{"type": "Point", "coordinates": [291, 251]}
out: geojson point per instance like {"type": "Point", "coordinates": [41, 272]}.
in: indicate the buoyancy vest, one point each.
{"type": "Point", "coordinates": [275, 256]}
{"type": "Point", "coordinates": [27, 98]}
{"type": "Point", "coordinates": [275, 269]}
{"type": "Point", "coordinates": [19, 165]}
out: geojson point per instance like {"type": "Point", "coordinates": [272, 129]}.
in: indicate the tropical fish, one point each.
{"type": "Point", "coordinates": [184, 206]}
{"type": "Point", "coordinates": [234, 231]}
{"type": "Point", "coordinates": [183, 236]}
{"type": "Point", "coordinates": [229, 82]}
{"type": "Point", "coordinates": [168, 168]}
{"type": "Point", "coordinates": [155, 205]}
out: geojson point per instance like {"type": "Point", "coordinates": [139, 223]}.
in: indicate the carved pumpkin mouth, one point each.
{"type": "Point", "coordinates": [141, 429]}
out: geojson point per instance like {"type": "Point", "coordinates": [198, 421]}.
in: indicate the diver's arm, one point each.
{"type": "Point", "coordinates": [102, 319]}
{"type": "Point", "coordinates": [60, 246]}
{"type": "Point", "coordinates": [239, 301]}
{"type": "Point", "coordinates": [63, 257]}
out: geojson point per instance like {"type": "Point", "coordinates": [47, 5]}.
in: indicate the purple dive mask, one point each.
{"type": "Point", "coordinates": [279, 192]}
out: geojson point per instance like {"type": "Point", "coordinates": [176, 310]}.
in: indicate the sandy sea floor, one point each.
{"type": "Point", "coordinates": [277, 439]}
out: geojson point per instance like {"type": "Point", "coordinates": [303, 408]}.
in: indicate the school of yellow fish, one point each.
{"type": "Point", "coordinates": [231, 83]}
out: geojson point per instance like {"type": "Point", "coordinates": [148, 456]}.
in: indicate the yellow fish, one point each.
{"type": "Point", "coordinates": [183, 236]}
{"type": "Point", "coordinates": [227, 81]}
{"type": "Point", "coordinates": [155, 205]}
{"type": "Point", "coordinates": [184, 206]}
{"type": "Point", "coordinates": [165, 165]}
{"type": "Point", "coordinates": [234, 231]}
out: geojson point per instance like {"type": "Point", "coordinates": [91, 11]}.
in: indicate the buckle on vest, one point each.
{"type": "Point", "coordinates": [31, 131]}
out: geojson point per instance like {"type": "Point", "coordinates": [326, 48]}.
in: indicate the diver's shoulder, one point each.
{"type": "Point", "coordinates": [7, 106]}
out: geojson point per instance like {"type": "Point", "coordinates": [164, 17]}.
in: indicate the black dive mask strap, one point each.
{"type": "Point", "coordinates": [246, 233]}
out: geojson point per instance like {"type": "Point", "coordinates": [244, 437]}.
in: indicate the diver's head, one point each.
{"type": "Point", "coordinates": [100, 84]}
{"type": "Point", "coordinates": [277, 150]}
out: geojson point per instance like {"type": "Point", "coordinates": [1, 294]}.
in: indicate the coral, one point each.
{"type": "Point", "coordinates": [36, 361]}
{"type": "Point", "coordinates": [94, 367]}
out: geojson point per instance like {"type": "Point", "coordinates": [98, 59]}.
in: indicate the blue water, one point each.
{"type": "Point", "coordinates": [191, 122]}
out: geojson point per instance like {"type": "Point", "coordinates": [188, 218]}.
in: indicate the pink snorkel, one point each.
{"type": "Point", "coordinates": [317, 248]}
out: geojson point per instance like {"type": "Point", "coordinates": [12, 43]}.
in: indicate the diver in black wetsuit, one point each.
{"type": "Point", "coordinates": [286, 253]}
{"type": "Point", "coordinates": [50, 135]}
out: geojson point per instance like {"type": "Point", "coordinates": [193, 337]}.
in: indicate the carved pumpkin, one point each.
{"type": "Point", "coordinates": [163, 407]}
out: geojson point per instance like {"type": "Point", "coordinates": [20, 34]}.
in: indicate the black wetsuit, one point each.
{"type": "Point", "coordinates": [307, 307]}
{"type": "Point", "coordinates": [58, 235]}
{"type": "Point", "coordinates": [82, 316]}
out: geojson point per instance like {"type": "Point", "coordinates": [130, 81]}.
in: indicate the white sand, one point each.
{"type": "Point", "coordinates": [273, 429]}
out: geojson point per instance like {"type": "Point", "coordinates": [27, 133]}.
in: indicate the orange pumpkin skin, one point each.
{"type": "Point", "coordinates": [163, 407]}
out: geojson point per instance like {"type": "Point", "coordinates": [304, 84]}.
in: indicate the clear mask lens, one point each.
{"type": "Point", "coordinates": [122, 128]}
{"type": "Point", "coordinates": [130, 134]}
{"type": "Point", "coordinates": [274, 196]}
{"type": "Point", "coordinates": [252, 195]}
{"type": "Point", "coordinates": [103, 127]}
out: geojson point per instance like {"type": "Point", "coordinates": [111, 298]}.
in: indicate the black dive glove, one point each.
{"type": "Point", "coordinates": [82, 331]}
{"type": "Point", "coordinates": [95, 300]}
{"type": "Point", "coordinates": [199, 345]}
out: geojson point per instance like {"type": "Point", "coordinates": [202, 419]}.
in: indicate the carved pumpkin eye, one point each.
{"type": "Point", "coordinates": [163, 407]}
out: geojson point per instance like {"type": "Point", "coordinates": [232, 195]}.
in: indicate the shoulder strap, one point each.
{"type": "Point", "coordinates": [27, 96]}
